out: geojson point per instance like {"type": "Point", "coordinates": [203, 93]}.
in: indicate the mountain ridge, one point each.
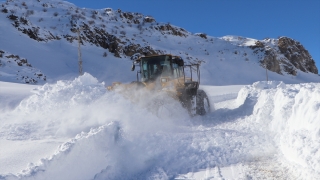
{"type": "Point", "coordinates": [127, 35]}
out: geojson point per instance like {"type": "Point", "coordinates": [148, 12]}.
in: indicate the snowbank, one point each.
{"type": "Point", "coordinates": [292, 113]}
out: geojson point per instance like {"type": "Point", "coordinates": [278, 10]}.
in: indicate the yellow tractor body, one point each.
{"type": "Point", "coordinates": [168, 73]}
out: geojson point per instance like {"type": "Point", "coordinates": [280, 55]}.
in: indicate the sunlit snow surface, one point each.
{"type": "Point", "coordinates": [79, 130]}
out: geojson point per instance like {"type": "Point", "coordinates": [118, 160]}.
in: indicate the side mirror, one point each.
{"type": "Point", "coordinates": [133, 67]}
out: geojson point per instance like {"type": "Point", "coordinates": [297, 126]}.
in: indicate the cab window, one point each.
{"type": "Point", "coordinates": [177, 70]}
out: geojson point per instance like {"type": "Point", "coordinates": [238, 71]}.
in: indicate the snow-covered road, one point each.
{"type": "Point", "coordinates": [78, 130]}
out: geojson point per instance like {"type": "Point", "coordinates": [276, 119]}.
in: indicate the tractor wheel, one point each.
{"type": "Point", "coordinates": [189, 103]}
{"type": "Point", "coordinates": [203, 104]}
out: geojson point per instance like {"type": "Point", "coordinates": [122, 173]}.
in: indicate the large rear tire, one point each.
{"type": "Point", "coordinates": [203, 104]}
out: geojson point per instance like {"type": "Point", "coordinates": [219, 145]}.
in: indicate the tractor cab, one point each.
{"type": "Point", "coordinates": [168, 72]}
{"type": "Point", "coordinates": [162, 66]}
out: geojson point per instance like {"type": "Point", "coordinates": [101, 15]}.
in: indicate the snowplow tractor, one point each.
{"type": "Point", "coordinates": [168, 73]}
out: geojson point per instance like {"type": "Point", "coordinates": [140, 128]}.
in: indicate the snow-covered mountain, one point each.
{"type": "Point", "coordinates": [45, 34]}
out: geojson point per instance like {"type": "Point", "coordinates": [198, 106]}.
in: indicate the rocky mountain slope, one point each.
{"type": "Point", "coordinates": [121, 36]}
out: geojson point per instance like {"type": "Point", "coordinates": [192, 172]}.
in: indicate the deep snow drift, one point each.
{"type": "Point", "coordinates": [79, 130]}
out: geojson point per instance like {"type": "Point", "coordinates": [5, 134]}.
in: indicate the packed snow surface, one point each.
{"type": "Point", "coordinates": [78, 130]}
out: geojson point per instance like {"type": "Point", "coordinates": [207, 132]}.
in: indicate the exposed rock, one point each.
{"type": "Point", "coordinates": [168, 29]}
{"type": "Point", "coordinates": [12, 17]}
{"type": "Point", "coordinates": [25, 73]}
{"type": "Point", "coordinates": [202, 35]}
{"type": "Point", "coordinates": [99, 37]}
{"type": "Point", "coordinates": [4, 10]}
{"type": "Point", "coordinates": [258, 44]}
{"type": "Point", "coordinates": [95, 35]}
{"type": "Point", "coordinates": [287, 56]}
{"type": "Point", "coordinates": [103, 39]}
{"type": "Point", "coordinates": [24, 21]}
{"type": "Point", "coordinates": [297, 55]}
{"type": "Point", "coordinates": [20, 62]}
{"type": "Point", "coordinates": [271, 62]}
{"type": "Point", "coordinates": [149, 19]}
{"type": "Point", "coordinates": [127, 15]}
{"type": "Point", "coordinates": [32, 33]}
{"type": "Point", "coordinates": [24, 25]}
{"type": "Point", "coordinates": [274, 63]}
{"type": "Point", "coordinates": [133, 49]}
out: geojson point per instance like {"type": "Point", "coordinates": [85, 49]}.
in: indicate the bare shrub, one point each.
{"type": "Point", "coordinates": [4, 10]}
{"type": "Point", "coordinates": [23, 20]}
{"type": "Point", "coordinates": [55, 14]}
{"type": "Point", "coordinates": [12, 17]}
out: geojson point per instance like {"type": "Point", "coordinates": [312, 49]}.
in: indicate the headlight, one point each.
{"type": "Point", "coordinates": [164, 80]}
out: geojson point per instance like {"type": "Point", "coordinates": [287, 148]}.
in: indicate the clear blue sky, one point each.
{"type": "Point", "coordinates": [258, 19]}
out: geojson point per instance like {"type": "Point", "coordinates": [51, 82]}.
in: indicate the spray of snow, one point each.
{"type": "Point", "coordinates": [69, 107]}
{"type": "Point", "coordinates": [110, 136]}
